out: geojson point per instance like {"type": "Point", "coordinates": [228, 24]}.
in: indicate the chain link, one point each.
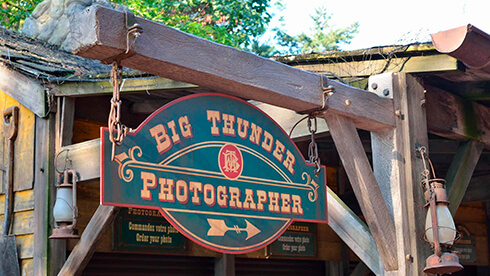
{"type": "Point", "coordinates": [313, 147]}
{"type": "Point", "coordinates": [117, 130]}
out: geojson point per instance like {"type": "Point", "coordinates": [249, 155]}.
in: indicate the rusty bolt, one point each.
{"type": "Point", "coordinates": [347, 102]}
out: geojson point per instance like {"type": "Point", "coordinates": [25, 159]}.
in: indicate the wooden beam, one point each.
{"type": "Point", "coordinates": [85, 248]}
{"type": "Point", "coordinates": [451, 116]}
{"type": "Point", "coordinates": [83, 157]}
{"type": "Point", "coordinates": [43, 176]}
{"type": "Point", "coordinates": [25, 90]}
{"type": "Point", "coordinates": [415, 64]}
{"type": "Point", "coordinates": [460, 171]}
{"type": "Point", "coordinates": [365, 187]}
{"type": "Point", "coordinates": [411, 132]}
{"type": "Point", "coordinates": [352, 231]}
{"type": "Point", "coordinates": [99, 33]}
{"type": "Point", "coordinates": [130, 85]}
{"type": "Point", "coordinates": [360, 270]}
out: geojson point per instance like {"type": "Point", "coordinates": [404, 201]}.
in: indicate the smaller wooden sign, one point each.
{"type": "Point", "coordinates": [146, 231]}
{"type": "Point", "coordinates": [298, 241]}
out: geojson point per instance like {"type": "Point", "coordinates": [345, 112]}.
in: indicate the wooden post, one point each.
{"type": "Point", "coordinates": [85, 248]}
{"type": "Point", "coordinates": [397, 169]}
{"type": "Point", "coordinates": [43, 177]}
{"type": "Point", "coordinates": [460, 171]}
{"type": "Point", "coordinates": [365, 187]}
{"type": "Point", "coordinates": [225, 265]}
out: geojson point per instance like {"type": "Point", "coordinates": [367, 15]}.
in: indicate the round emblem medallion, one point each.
{"type": "Point", "coordinates": [230, 161]}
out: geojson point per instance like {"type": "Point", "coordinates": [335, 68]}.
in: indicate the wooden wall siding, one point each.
{"type": "Point", "coordinates": [24, 89]}
{"type": "Point", "coordinates": [23, 220]}
{"type": "Point", "coordinates": [24, 146]}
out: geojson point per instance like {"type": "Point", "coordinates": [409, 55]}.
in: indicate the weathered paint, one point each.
{"type": "Point", "coordinates": [23, 147]}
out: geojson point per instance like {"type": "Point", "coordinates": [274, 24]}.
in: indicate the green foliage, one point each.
{"type": "Point", "coordinates": [229, 22]}
{"type": "Point", "coordinates": [13, 13]}
{"type": "Point", "coordinates": [324, 38]}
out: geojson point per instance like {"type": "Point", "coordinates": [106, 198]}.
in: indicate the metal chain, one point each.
{"type": "Point", "coordinates": [313, 147]}
{"type": "Point", "coordinates": [117, 130]}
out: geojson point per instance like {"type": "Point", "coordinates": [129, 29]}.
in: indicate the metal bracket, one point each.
{"type": "Point", "coordinates": [327, 92]}
{"type": "Point", "coordinates": [133, 31]}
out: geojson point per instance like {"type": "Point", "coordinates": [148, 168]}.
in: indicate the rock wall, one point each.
{"type": "Point", "coordinates": [50, 20]}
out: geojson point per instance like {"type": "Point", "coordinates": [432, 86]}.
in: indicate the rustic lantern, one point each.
{"type": "Point", "coordinates": [65, 210]}
{"type": "Point", "coordinates": [440, 230]}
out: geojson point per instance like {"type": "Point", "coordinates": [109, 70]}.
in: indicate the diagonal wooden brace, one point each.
{"type": "Point", "coordinates": [365, 186]}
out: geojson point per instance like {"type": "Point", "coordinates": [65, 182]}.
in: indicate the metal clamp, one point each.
{"type": "Point", "coordinates": [133, 31]}
{"type": "Point", "coordinates": [328, 91]}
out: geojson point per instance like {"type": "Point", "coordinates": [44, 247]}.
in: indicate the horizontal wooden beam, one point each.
{"type": "Point", "coordinates": [83, 157]}
{"type": "Point", "coordinates": [130, 85]}
{"type": "Point", "coordinates": [30, 93]}
{"type": "Point", "coordinates": [99, 33]}
{"type": "Point", "coordinates": [352, 231]}
{"type": "Point", "coordinates": [345, 68]}
{"type": "Point", "coordinates": [452, 117]}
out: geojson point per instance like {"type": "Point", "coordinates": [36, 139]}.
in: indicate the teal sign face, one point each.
{"type": "Point", "coordinates": [218, 169]}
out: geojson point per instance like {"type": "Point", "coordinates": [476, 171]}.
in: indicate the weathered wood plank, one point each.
{"type": "Point", "coordinates": [99, 33]}
{"type": "Point", "coordinates": [85, 248]}
{"type": "Point", "coordinates": [84, 157]}
{"type": "Point", "coordinates": [43, 171]}
{"type": "Point", "coordinates": [460, 171]}
{"type": "Point", "coordinates": [23, 145]}
{"type": "Point", "coordinates": [27, 91]}
{"type": "Point", "coordinates": [25, 245]}
{"type": "Point", "coordinates": [287, 119]}
{"type": "Point", "coordinates": [451, 116]}
{"type": "Point", "coordinates": [409, 98]}
{"type": "Point", "coordinates": [365, 187]}
{"type": "Point", "coordinates": [23, 223]}
{"type": "Point", "coordinates": [352, 231]}
{"type": "Point", "coordinates": [129, 85]}
{"type": "Point", "coordinates": [26, 267]}
{"type": "Point", "coordinates": [23, 201]}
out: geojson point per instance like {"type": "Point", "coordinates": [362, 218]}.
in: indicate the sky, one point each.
{"type": "Point", "coordinates": [386, 22]}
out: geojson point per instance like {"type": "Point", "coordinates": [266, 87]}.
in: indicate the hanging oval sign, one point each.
{"type": "Point", "coordinates": [219, 169]}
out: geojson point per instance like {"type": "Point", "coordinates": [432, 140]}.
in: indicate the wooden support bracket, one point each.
{"type": "Point", "coordinates": [352, 231]}
{"type": "Point", "coordinates": [85, 248]}
{"type": "Point", "coordinates": [368, 193]}
{"type": "Point", "coordinates": [460, 171]}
